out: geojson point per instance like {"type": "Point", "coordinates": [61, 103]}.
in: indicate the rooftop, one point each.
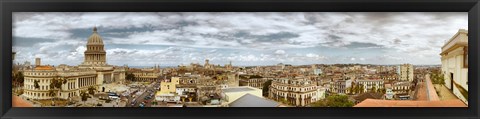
{"type": "Point", "coordinates": [43, 68]}
{"type": "Point", "coordinates": [238, 89]}
{"type": "Point", "coordinates": [369, 95]}
{"type": "Point", "coordinates": [250, 100]}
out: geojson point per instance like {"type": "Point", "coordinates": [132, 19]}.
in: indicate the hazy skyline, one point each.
{"type": "Point", "coordinates": [258, 38]}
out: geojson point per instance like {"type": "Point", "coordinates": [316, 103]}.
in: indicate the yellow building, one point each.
{"type": "Point", "coordinates": [455, 64]}
{"type": "Point", "coordinates": [168, 90]}
{"type": "Point", "coordinates": [169, 86]}
{"type": "Point", "coordinates": [145, 74]}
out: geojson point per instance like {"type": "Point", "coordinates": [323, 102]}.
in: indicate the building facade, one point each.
{"type": "Point", "coordinates": [406, 72]}
{"type": "Point", "coordinates": [254, 82]}
{"type": "Point", "coordinates": [371, 84]}
{"type": "Point", "coordinates": [168, 90]}
{"type": "Point", "coordinates": [455, 64]}
{"type": "Point", "coordinates": [145, 74]}
{"type": "Point", "coordinates": [296, 91]}
{"type": "Point", "coordinates": [74, 81]}
{"type": "Point", "coordinates": [341, 86]}
{"type": "Point", "coordinates": [93, 72]}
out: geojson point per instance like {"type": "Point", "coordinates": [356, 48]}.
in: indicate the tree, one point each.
{"type": "Point", "coordinates": [351, 89]}
{"type": "Point", "coordinates": [382, 90]}
{"type": "Point", "coordinates": [84, 96]}
{"type": "Point", "coordinates": [35, 84]}
{"type": "Point", "coordinates": [266, 86]}
{"type": "Point", "coordinates": [18, 78]}
{"type": "Point", "coordinates": [130, 76]}
{"type": "Point", "coordinates": [91, 90]}
{"type": "Point", "coordinates": [361, 88]}
{"type": "Point", "coordinates": [56, 85]}
{"type": "Point", "coordinates": [356, 89]}
{"type": "Point", "coordinates": [284, 101]}
{"type": "Point", "coordinates": [374, 89]}
{"type": "Point", "coordinates": [333, 101]}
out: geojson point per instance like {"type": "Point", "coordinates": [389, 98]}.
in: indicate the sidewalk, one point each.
{"type": "Point", "coordinates": [444, 92]}
{"type": "Point", "coordinates": [19, 102]}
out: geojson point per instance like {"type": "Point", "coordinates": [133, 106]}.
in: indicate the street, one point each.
{"type": "Point", "coordinates": [139, 99]}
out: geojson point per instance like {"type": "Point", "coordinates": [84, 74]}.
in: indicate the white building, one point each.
{"type": "Point", "coordinates": [341, 86]}
{"type": "Point", "coordinates": [371, 84]}
{"type": "Point", "coordinates": [298, 91]}
{"type": "Point", "coordinates": [321, 91]}
{"type": "Point", "coordinates": [93, 72]}
{"type": "Point", "coordinates": [455, 64]}
{"type": "Point", "coordinates": [75, 80]}
{"type": "Point", "coordinates": [233, 93]}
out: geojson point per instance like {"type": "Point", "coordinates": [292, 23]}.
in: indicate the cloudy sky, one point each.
{"type": "Point", "coordinates": [170, 39]}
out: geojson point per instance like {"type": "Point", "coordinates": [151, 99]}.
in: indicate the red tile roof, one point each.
{"type": "Point", "coordinates": [19, 102]}
{"type": "Point", "coordinates": [410, 103]}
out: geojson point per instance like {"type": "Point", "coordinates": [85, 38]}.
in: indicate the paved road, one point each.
{"type": "Point", "coordinates": [141, 97]}
{"type": "Point", "coordinates": [421, 91]}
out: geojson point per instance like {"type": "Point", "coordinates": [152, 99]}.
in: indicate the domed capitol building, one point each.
{"type": "Point", "coordinates": [93, 72]}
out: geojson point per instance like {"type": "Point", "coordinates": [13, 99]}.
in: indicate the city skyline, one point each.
{"type": "Point", "coordinates": [246, 39]}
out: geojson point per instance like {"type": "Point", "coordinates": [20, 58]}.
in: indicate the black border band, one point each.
{"type": "Point", "coordinates": [9, 6]}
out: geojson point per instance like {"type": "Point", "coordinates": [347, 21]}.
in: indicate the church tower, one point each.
{"type": "Point", "coordinates": [95, 53]}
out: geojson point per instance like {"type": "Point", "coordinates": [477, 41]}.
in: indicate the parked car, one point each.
{"type": "Point", "coordinates": [142, 104]}
{"type": "Point", "coordinates": [114, 97]}
{"type": "Point", "coordinates": [133, 103]}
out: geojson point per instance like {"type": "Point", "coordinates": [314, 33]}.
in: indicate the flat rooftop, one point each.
{"type": "Point", "coordinates": [238, 89]}
{"type": "Point", "coordinates": [250, 100]}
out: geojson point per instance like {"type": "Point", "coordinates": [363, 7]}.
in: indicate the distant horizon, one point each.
{"type": "Point", "coordinates": [292, 65]}
{"type": "Point", "coordinates": [245, 38]}
{"type": "Point", "coordinates": [147, 66]}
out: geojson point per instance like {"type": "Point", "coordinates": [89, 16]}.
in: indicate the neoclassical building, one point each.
{"type": "Point", "coordinates": [76, 79]}
{"type": "Point", "coordinates": [254, 82]}
{"type": "Point", "coordinates": [95, 58]}
{"type": "Point", "coordinates": [297, 91]}
{"type": "Point", "coordinates": [145, 74]}
{"type": "Point", "coordinates": [93, 72]}
{"type": "Point", "coordinates": [455, 64]}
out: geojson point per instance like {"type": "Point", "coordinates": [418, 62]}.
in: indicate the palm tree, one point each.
{"type": "Point", "coordinates": [91, 90]}
{"type": "Point", "coordinates": [374, 89]}
{"type": "Point", "coordinates": [20, 77]}
{"type": "Point", "coordinates": [355, 89]}
{"type": "Point", "coordinates": [130, 76]}
{"type": "Point", "coordinates": [56, 85]}
{"type": "Point", "coordinates": [52, 93]}
{"type": "Point", "coordinates": [35, 84]}
{"type": "Point", "coordinates": [84, 96]}
{"type": "Point", "coordinates": [361, 88]}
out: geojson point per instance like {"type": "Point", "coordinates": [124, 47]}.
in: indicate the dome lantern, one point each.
{"type": "Point", "coordinates": [95, 29]}
{"type": "Point", "coordinates": [95, 37]}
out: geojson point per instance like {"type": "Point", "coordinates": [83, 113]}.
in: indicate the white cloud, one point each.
{"type": "Point", "coordinates": [418, 35]}
{"type": "Point", "coordinates": [280, 52]}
